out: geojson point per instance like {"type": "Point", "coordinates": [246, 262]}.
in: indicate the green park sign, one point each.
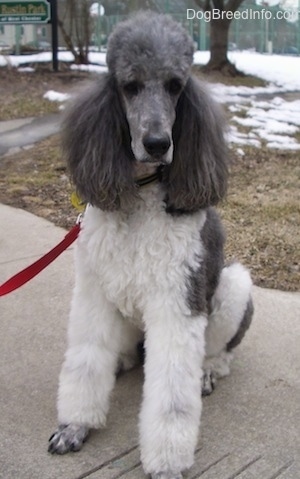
{"type": "Point", "coordinates": [24, 11]}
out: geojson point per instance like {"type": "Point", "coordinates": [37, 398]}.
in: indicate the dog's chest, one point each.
{"type": "Point", "coordinates": [142, 255]}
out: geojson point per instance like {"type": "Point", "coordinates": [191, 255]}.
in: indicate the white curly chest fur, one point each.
{"type": "Point", "coordinates": [143, 254]}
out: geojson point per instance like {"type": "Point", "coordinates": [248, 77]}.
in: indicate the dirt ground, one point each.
{"type": "Point", "coordinates": [261, 213]}
{"type": "Point", "coordinates": [22, 92]}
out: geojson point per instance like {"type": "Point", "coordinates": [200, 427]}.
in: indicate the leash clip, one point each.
{"type": "Point", "coordinates": [81, 214]}
{"type": "Point", "coordinates": [79, 219]}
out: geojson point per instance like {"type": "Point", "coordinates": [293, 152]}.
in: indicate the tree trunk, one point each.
{"type": "Point", "coordinates": [219, 34]}
{"type": "Point", "coordinates": [219, 30]}
{"type": "Point", "coordinates": [75, 28]}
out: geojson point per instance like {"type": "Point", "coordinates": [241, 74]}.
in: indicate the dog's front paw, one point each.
{"type": "Point", "coordinates": [208, 382]}
{"type": "Point", "coordinates": [166, 475]}
{"type": "Point", "coordinates": [67, 438]}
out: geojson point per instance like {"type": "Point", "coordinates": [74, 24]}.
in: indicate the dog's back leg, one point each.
{"type": "Point", "coordinates": [231, 315]}
{"type": "Point", "coordinates": [130, 355]}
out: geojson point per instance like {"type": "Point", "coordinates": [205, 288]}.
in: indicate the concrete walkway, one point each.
{"type": "Point", "coordinates": [20, 133]}
{"type": "Point", "coordinates": [250, 425]}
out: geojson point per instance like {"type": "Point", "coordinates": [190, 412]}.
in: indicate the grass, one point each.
{"type": "Point", "coordinates": [36, 180]}
{"type": "Point", "coordinates": [22, 92]}
{"type": "Point", "coordinates": [21, 107]}
{"type": "Point", "coordinates": [262, 216]}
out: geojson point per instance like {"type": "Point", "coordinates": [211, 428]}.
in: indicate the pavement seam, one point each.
{"type": "Point", "coordinates": [212, 464]}
{"type": "Point", "coordinates": [284, 468]}
{"type": "Point", "coordinates": [243, 468]}
{"type": "Point", "coordinates": [130, 469]}
{"type": "Point", "coordinates": [106, 463]}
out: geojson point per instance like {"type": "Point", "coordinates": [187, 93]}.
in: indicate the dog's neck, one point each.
{"type": "Point", "coordinates": [147, 173]}
{"type": "Point", "coordinates": [144, 169]}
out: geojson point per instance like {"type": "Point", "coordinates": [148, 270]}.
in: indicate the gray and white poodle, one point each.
{"type": "Point", "coordinates": [147, 154]}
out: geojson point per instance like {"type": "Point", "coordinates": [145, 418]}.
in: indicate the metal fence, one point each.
{"type": "Point", "coordinates": [263, 29]}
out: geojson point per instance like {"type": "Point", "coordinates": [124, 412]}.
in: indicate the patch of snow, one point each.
{"type": "Point", "coordinates": [90, 68]}
{"type": "Point", "coordinates": [26, 69]}
{"type": "Point", "coordinates": [280, 70]}
{"type": "Point", "coordinates": [286, 146]}
{"type": "Point", "coordinates": [52, 95]}
{"type": "Point", "coordinates": [240, 152]}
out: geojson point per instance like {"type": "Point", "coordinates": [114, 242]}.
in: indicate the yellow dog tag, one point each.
{"type": "Point", "coordinates": [77, 202]}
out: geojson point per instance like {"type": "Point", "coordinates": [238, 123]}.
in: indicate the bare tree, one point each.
{"type": "Point", "coordinates": [74, 21]}
{"type": "Point", "coordinates": [75, 24]}
{"type": "Point", "coordinates": [128, 6]}
{"type": "Point", "coordinates": [221, 14]}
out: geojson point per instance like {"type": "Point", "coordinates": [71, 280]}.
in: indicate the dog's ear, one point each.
{"type": "Point", "coordinates": [197, 177]}
{"type": "Point", "coordinates": [96, 142]}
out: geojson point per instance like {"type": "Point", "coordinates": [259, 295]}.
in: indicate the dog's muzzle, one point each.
{"type": "Point", "coordinates": [157, 146]}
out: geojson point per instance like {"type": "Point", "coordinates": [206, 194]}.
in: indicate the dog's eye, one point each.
{"type": "Point", "coordinates": [173, 86]}
{"type": "Point", "coordinates": [132, 88]}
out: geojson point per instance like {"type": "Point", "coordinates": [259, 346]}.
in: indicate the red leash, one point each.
{"type": "Point", "coordinates": [31, 271]}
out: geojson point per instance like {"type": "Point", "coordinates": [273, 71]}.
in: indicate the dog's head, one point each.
{"type": "Point", "coordinates": [148, 109]}
{"type": "Point", "coordinates": [150, 56]}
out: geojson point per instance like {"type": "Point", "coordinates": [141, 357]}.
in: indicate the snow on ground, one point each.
{"type": "Point", "coordinates": [17, 60]}
{"type": "Point", "coordinates": [63, 55]}
{"type": "Point", "coordinates": [271, 121]}
{"type": "Point", "coordinates": [56, 96]}
{"type": "Point", "coordinates": [280, 70]}
{"type": "Point", "coordinates": [90, 68]}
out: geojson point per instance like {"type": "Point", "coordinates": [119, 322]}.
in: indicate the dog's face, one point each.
{"type": "Point", "coordinates": [151, 69]}
{"type": "Point", "coordinates": [150, 105]}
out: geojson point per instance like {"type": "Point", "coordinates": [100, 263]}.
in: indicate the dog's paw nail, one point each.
{"type": "Point", "coordinates": [67, 438]}
{"type": "Point", "coordinates": [208, 382]}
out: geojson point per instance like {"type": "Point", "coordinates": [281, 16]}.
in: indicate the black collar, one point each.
{"type": "Point", "coordinates": [146, 180]}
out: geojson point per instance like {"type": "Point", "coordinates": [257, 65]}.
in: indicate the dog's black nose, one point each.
{"type": "Point", "coordinates": [156, 145]}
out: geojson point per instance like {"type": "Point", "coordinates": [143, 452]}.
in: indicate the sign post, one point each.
{"type": "Point", "coordinates": [54, 35]}
{"type": "Point", "coordinates": [13, 12]}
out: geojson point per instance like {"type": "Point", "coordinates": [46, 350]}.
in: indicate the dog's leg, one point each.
{"type": "Point", "coordinates": [231, 315]}
{"type": "Point", "coordinates": [171, 409]}
{"type": "Point", "coordinates": [129, 351]}
{"type": "Point", "coordinates": [88, 372]}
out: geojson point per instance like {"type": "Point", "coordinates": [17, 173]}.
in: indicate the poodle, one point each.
{"type": "Point", "coordinates": [146, 152]}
